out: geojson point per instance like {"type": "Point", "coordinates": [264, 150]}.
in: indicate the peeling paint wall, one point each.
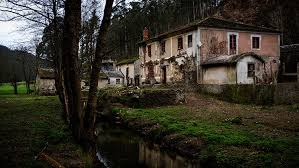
{"type": "Point", "coordinates": [45, 86]}
{"type": "Point", "coordinates": [219, 75]}
{"type": "Point", "coordinates": [104, 82]}
{"type": "Point", "coordinates": [242, 70]}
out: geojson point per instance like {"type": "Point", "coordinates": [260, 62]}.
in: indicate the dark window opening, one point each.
{"type": "Point", "coordinates": [251, 70]}
{"type": "Point", "coordinates": [117, 81]}
{"type": "Point", "coordinates": [180, 43]}
{"type": "Point", "coordinates": [163, 47]}
{"type": "Point", "coordinates": [256, 42]}
{"type": "Point", "coordinates": [108, 81]}
{"type": "Point", "coordinates": [189, 41]}
{"type": "Point", "coordinates": [149, 50]}
{"type": "Point", "coordinates": [232, 44]}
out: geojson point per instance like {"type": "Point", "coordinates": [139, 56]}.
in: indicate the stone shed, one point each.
{"type": "Point", "coordinates": [45, 81]}
{"type": "Point", "coordinates": [246, 68]}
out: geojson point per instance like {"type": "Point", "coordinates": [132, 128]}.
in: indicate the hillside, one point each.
{"type": "Point", "coordinates": [278, 14]}
{"type": "Point", "coordinates": [13, 62]}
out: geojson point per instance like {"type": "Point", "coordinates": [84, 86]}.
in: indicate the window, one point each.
{"type": "Point", "coordinates": [117, 81]}
{"type": "Point", "coordinates": [149, 50]}
{"type": "Point", "coordinates": [163, 47]}
{"type": "Point", "coordinates": [251, 70]}
{"type": "Point", "coordinates": [232, 43]}
{"type": "Point", "coordinates": [108, 81]}
{"type": "Point", "coordinates": [190, 41]}
{"type": "Point", "coordinates": [180, 43]}
{"type": "Point", "coordinates": [255, 42]}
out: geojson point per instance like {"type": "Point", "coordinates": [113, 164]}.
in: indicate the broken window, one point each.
{"type": "Point", "coordinates": [180, 43]}
{"type": "Point", "coordinates": [117, 81]}
{"type": "Point", "coordinates": [251, 70]}
{"type": "Point", "coordinates": [255, 42]}
{"type": "Point", "coordinates": [149, 50]}
{"type": "Point", "coordinates": [190, 41]}
{"type": "Point", "coordinates": [232, 44]}
{"type": "Point", "coordinates": [163, 47]}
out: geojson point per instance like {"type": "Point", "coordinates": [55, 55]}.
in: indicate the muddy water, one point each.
{"type": "Point", "coordinates": [118, 147]}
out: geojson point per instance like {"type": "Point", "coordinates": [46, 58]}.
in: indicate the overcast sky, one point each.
{"type": "Point", "coordinates": [11, 34]}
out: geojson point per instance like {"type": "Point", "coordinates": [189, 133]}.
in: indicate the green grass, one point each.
{"type": "Point", "coordinates": [7, 89]}
{"type": "Point", "coordinates": [221, 137]}
{"type": "Point", "coordinates": [27, 124]}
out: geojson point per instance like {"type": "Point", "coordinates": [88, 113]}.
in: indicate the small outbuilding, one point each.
{"type": "Point", "coordinates": [45, 81]}
{"type": "Point", "coordinates": [110, 79]}
{"type": "Point", "coordinates": [246, 68]}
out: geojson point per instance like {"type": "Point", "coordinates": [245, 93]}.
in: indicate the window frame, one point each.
{"type": "Point", "coordinates": [117, 81]}
{"type": "Point", "coordinates": [182, 43]}
{"type": "Point", "coordinates": [248, 70]}
{"type": "Point", "coordinates": [190, 35]}
{"type": "Point", "coordinates": [228, 42]}
{"type": "Point", "coordinates": [260, 41]}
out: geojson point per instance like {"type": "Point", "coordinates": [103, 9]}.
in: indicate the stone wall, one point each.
{"type": "Point", "coordinates": [282, 93]}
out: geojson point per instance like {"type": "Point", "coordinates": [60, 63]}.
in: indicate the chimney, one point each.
{"type": "Point", "coordinates": [145, 33]}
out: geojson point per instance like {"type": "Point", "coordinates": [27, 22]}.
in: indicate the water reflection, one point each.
{"type": "Point", "coordinates": [122, 148]}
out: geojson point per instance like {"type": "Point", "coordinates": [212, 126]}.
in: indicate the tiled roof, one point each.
{"type": "Point", "coordinates": [230, 59]}
{"type": "Point", "coordinates": [211, 22]}
{"type": "Point", "coordinates": [46, 73]}
{"type": "Point", "coordinates": [106, 74]}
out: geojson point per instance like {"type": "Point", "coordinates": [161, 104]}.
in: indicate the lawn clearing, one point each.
{"type": "Point", "coordinates": [237, 135]}
{"type": "Point", "coordinates": [27, 124]}
{"type": "Point", "coordinates": [7, 89]}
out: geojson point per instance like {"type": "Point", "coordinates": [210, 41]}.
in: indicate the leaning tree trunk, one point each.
{"type": "Point", "coordinates": [89, 118]}
{"type": "Point", "coordinates": [71, 71]}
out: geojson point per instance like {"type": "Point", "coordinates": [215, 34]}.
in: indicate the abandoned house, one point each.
{"type": "Point", "coordinates": [45, 82]}
{"type": "Point", "coordinates": [289, 63]}
{"type": "Point", "coordinates": [130, 68]}
{"type": "Point", "coordinates": [198, 48]}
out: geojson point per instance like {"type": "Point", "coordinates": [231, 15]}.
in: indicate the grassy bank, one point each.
{"type": "Point", "coordinates": [27, 124]}
{"type": "Point", "coordinates": [233, 135]}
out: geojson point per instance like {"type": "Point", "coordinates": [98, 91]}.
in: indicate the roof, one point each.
{"type": "Point", "coordinates": [46, 73]}
{"type": "Point", "coordinates": [292, 47]}
{"type": "Point", "coordinates": [110, 74]}
{"type": "Point", "coordinates": [230, 59]}
{"type": "Point", "coordinates": [212, 22]}
{"type": "Point", "coordinates": [127, 61]}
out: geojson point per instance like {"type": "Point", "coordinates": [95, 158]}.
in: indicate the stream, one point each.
{"type": "Point", "coordinates": [120, 147]}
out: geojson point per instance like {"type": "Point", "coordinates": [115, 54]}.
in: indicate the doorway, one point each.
{"type": "Point", "coordinates": [164, 75]}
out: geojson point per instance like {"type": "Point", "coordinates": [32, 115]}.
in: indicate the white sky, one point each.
{"type": "Point", "coordinates": [11, 34]}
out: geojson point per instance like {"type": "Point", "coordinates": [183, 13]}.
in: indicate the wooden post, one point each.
{"type": "Point", "coordinates": [298, 72]}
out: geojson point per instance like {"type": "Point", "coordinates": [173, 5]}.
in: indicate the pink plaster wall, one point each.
{"type": "Point", "coordinates": [215, 42]}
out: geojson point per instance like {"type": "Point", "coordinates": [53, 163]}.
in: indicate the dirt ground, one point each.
{"type": "Point", "coordinates": [282, 119]}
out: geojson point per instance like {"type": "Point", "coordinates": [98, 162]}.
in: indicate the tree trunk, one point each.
{"type": "Point", "coordinates": [71, 71]}
{"type": "Point", "coordinates": [89, 118]}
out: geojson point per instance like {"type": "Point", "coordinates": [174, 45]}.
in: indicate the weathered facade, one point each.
{"type": "Point", "coordinates": [233, 69]}
{"type": "Point", "coordinates": [130, 68]}
{"type": "Point", "coordinates": [172, 56]}
{"type": "Point", "coordinates": [45, 82]}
